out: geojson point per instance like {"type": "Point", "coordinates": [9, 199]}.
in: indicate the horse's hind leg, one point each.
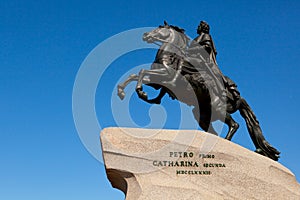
{"type": "Point", "coordinates": [212, 130]}
{"type": "Point", "coordinates": [121, 87]}
{"type": "Point", "coordinates": [232, 125]}
{"type": "Point", "coordinates": [204, 121]}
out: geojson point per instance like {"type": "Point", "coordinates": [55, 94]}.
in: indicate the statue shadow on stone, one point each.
{"type": "Point", "coordinates": [189, 73]}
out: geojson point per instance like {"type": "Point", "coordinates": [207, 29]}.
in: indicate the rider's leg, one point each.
{"type": "Point", "coordinates": [176, 76]}
{"type": "Point", "coordinates": [173, 81]}
{"type": "Point", "coordinates": [218, 77]}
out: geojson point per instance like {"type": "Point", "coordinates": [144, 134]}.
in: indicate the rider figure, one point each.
{"type": "Point", "coordinates": [204, 41]}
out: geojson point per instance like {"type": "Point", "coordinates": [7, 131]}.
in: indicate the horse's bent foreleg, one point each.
{"type": "Point", "coordinates": [121, 87]}
{"type": "Point", "coordinates": [132, 77]}
{"type": "Point", "coordinates": [139, 88]}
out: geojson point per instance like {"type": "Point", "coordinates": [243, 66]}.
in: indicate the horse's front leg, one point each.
{"type": "Point", "coordinates": [139, 88]}
{"type": "Point", "coordinates": [122, 86]}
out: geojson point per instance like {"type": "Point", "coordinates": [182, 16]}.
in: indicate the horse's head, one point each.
{"type": "Point", "coordinates": [167, 34]}
{"type": "Point", "coordinates": [160, 34]}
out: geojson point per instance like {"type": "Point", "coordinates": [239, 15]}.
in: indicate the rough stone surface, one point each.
{"type": "Point", "coordinates": [134, 161]}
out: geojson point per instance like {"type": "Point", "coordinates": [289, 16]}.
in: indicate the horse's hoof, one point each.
{"type": "Point", "coordinates": [228, 138]}
{"type": "Point", "coordinates": [259, 151]}
{"type": "Point", "coordinates": [121, 92]}
{"type": "Point", "coordinates": [143, 95]}
{"type": "Point", "coordinates": [121, 95]}
{"type": "Point", "coordinates": [139, 89]}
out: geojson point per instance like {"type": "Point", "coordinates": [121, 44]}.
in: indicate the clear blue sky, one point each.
{"type": "Point", "coordinates": [43, 44]}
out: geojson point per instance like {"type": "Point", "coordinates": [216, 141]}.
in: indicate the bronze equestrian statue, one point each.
{"type": "Point", "coordinates": [190, 74]}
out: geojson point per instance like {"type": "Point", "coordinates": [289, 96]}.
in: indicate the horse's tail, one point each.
{"type": "Point", "coordinates": [262, 146]}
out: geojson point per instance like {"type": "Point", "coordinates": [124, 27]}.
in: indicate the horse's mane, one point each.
{"type": "Point", "coordinates": [177, 28]}
{"type": "Point", "coordinates": [181, 30]}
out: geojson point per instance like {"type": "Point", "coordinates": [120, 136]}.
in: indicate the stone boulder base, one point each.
{"type": "Point", "coordinates": [148, 164]}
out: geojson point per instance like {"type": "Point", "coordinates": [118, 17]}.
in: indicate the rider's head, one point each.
{"type": "Point", "coordinates": [203, 27]}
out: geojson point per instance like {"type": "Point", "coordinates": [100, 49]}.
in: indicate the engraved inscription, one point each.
{"type": "Point", "coordinates": [189, 163]}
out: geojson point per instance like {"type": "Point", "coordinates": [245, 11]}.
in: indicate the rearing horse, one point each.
{"type": "Point", "coordinates": [193, 88]}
